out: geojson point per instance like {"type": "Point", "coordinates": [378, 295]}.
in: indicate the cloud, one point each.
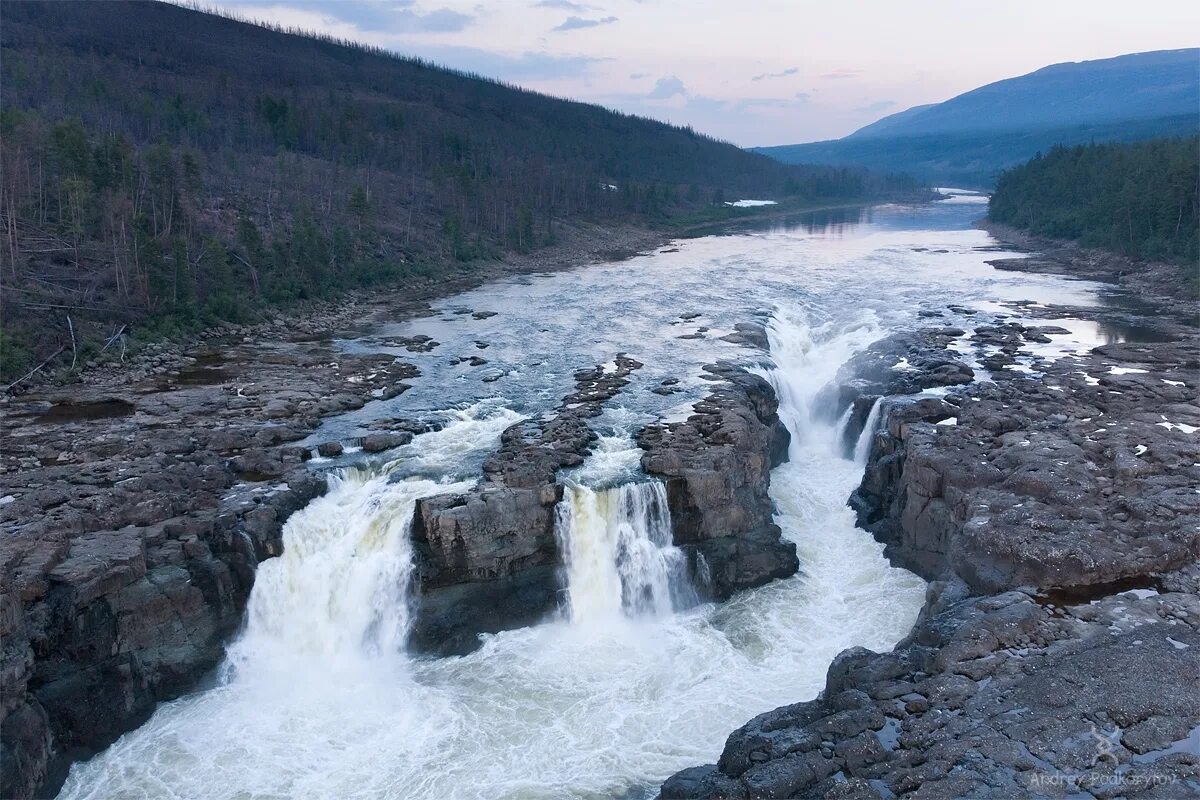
{"type": "Point", "coordinates": [784, 74]}
{"type": "Point", "coordinates": [637, 76]}
{"type": "Point", "coordinates": [667, 87]}
{"type": "Point", "coordinates": [564, 5]}
{"type": "Point", "coordinates": [363, 20]}
{"type": "Point", "coordinates": [804, 97]}
{"type": "Point", "coordinates": [576, 23]}
{"type": "Point", "coordinates": [842, 73]}
{"type": "Point", "coordinates": [528, 66]}
{"type": "Point", "coordinates": [875, 108]}
{"type": "Point", "coordinates": [442, 20]}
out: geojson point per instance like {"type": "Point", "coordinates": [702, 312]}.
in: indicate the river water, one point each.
{"type": "Point", "coordinates": [634, 680]}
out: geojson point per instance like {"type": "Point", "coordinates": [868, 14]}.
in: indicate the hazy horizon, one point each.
{"type": "Point", "coordinates": [786, 73]}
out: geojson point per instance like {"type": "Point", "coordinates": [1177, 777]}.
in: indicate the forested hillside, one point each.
{"type": "Point", "coordinates": [171, 166]}
{"type": "Point", "coordinates": [1136, 199]}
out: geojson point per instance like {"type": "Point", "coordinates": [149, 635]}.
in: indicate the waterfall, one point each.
{"type": "Point", "coordinates": [617, 552]}
{"type": "Point", "coordinates": [340, 588]}
{"type": "Point", "coordinates": [807, 357]}
{"type": "Point", "coordinates": [862, 448]}
{"type": "Point", "coordinates": [339, 592]}
{"type": "Point", "coordinates": [843, 423]}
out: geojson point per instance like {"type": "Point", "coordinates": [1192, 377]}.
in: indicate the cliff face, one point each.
{"type": "Point", "coordinates": [1058, 649]}
{"type": "Point", "coordinates": [716, 466]}
{"type": "Point", "coordinates": [1054, 483]}
{"type": "Point", "coordinates": [998, 697]}
{"type": "Point", "coordinates": [135, 512]}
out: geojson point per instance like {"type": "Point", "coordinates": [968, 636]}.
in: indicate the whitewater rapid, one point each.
{"type": "Point", "coordinates": [633, 680]}
{"type": "Point", "coordinates": [318, 700]}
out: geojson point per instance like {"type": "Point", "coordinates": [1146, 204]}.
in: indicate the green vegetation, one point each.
{"type": "Point", "coordinates": [1136, 199]}
{"type": "Point", "coordinates": [169, 168]}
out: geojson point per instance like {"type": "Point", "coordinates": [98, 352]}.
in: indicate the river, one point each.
{"type": "Point", "coordinates": [633, 680]}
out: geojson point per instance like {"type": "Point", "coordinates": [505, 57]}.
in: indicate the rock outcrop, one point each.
{"type": "Point", "coordinates": [1086, 476]}
{"type": "Point", "coordinates": [1058, 651]}
{"type": "Point", "coordinates": [901, 364]}
{"type": "Point", "coordinates": [487, 560]}
{"type": "Point", "coordinates": [716, 466]}
{"type": "Point", "coordinates": [1004, 696]}
{"type": "Point", "coordinates": [134, 517]}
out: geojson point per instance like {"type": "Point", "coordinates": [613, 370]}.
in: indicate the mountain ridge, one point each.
{"type": "Point", "coordinates": [972, 136]}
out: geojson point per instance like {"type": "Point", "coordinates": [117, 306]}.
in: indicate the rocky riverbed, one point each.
{"type": "Point", "coordinates": [137, 499]}
{"type": "Point", "coordinates": [1051, 501]}
{"type": "Point", "coordinates": [137, 506]}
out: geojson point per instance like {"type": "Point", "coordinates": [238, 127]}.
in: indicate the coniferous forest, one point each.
{"type": "Point", "coordinates": [1138, 199]}
{"type": "Point", "coordinates": [175, 168]}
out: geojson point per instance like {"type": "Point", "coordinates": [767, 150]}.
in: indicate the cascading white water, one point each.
{"type": "Point", "coordinates": [575, 710]}
{"type": "Point", "coordinates": [862, 448]}
{"type": "Point", "coordinates": [617, 552]}
{"type": "Point", "coordinates": [613, 699]}
{"type": "Point", "coordinates": [339, 590]}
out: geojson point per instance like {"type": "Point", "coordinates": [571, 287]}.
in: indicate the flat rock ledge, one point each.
{"type": "Point", "coordinates": [1058, 652]}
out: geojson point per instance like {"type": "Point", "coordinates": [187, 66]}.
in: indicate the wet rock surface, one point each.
{"type": "Point", "coordinates": [901, 364]}
{"type": "Point", "coordinates": [1000, 696]}
{"type": "Point", "coordinates": [487, 560]}
{"type": "Point", "coordinates": [1053, 504]}
{"type": "Point", "coordinates": [716, 466]}
{"type": "Point", "coordinates": [131, 539]}
{"type": "Point", "coordinates": [1083, 475]}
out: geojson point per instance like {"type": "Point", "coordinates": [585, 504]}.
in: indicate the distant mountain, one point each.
{"type": "Point", "coordinates": [970, 138]}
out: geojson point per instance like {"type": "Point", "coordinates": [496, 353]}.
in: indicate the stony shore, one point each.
{"type": "Point", "coordinates": [138, 502]}
{"type": "Point", "coordinates": [1054, 509]}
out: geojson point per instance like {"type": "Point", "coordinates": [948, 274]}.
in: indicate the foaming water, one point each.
{"type": "Point", "coordinates": [618, 554]}
{"type": "Point", "coordinates": [339, 591]}
{"type": "Point", "coordinates": [339, 588]}
{"type": "Point", "coordinates": [317, 699]}
{"type": "Point", "coordinates": [608, 701]}
{"type": "Point", "coordinates": [862, 448]}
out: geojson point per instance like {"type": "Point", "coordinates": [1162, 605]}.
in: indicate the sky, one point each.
{"type": "Point", "coordinates": [753, 72]}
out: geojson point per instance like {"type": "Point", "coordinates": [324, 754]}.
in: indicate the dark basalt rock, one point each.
{"type": "Point", "coordinates": [751, 334]}
{"type": "Point", "coordinates": [716, 466]}
{"type": "Point", "coordinates": [1045, 483]}
{"type": "Point", "coordinates": [1033, 671]}
{"type": "Point", "coordinates": [487, 560]}
{"type": "Point", "coordinates": [985, 699]}
{"type": "Point", "coordinates": [130, 541]}
{"type": "Point", "coordinates": [873, 373]}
